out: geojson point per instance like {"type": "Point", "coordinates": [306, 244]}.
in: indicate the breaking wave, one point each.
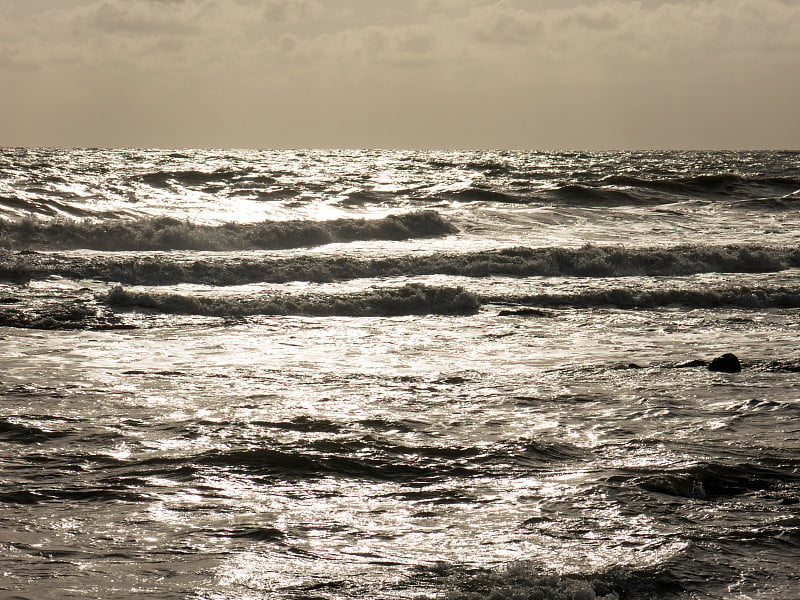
{"type": "Point", "coordinates": [60, 316]}
{"type": "Point", "coordinates": [587, 261]}
{"type": "Point", "coordinates": [166, 233]}
{"type": "Point", "coordinates": [406, 300]}
{"type": "Point", "coordinates": [626, 298]}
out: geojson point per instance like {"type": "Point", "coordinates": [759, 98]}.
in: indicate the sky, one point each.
{"type": "Point", "coordinates": [499, 74]}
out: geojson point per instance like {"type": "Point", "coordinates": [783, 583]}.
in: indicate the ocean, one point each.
{"type": "Point", "coordinates": [370, 374]}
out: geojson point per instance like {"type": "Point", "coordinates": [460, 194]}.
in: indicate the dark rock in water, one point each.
{"type": "Point", "coordinates": [628, 366]}
{"type": "Point", "coordinates": [727, 363]}
{"type": "Point", "coordinates": [454, 380]}
{"type": "Point", "coordinates": [525, 312]}
{"type": "Point", "coordinates": [692, 363]}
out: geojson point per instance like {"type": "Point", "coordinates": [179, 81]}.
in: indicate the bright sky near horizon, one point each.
{"type": "Point", "coordinates": [518, 74]}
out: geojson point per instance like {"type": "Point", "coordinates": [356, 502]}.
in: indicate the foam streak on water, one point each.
{"type": "Point", "coordinates": [364, 374]}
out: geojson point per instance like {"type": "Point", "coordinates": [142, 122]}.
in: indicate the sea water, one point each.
{"type": "Point", "coordinates": [389, 374]}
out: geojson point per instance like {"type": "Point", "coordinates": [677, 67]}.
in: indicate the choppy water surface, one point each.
{"type": "Point", "coordinates": [339, 375]}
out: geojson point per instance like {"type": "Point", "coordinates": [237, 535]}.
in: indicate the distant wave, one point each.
{"type": "Point", "coordinates": [632, 190]}
{"type": "Point", "coordinates": [166, 233]}
{"type": "Point", "coordinates": [719, 183]}
{"type": "Point", "coordinates": [489, 166]}
{"type": "Point", "coordinates": [190, 177]}
{"type": "Point", "coordinates": [406, 300]}
{"type": "Point", "coordinates": [587, 261]}
{"type": "Point", "coordinates": [713, 182]}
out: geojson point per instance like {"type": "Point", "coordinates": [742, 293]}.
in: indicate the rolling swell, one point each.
{"type": "Point", "coordinates": [707, 183]}
{"type": "Point", "coordinates": [709, 480]}
{"type": "Point", "coordinates": [483, 194]}
{"type": "Point", "coordinates": [377, 458]}
{"type": "Point", "coordinates": [587, 261]}
{"type": "Point", "coordinates": [719, 183]}
{"type": "Point", "coordinates": [588, 195]}
{"type": "Point", "coordinates": [267, 461]}
{"type": "Point", "coordinates": [26, 434]}
{"type": "Point", "coordinates": [166, 233]}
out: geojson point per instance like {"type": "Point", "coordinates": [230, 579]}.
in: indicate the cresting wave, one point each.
{"type": "Point", "coordinates": [626, 298]}
{"type": "Point", "coordinates": [421, 299]}
{"type": "Point", "coordinates": [411, 299]}
{"type": "Point", "coordinates": [587, 261]}
{"type": "Point", "coordinates": [406, 300]}
{"type": "Point", "coordinates": [166, 233]}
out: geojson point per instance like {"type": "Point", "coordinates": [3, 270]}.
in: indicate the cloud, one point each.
{"type": "Point", "coordinates": [508, 68]}
{"type": "Point", "coordinates": [614, 33]}
{"type": "Point", "coordinates": [502, 24]}
{"type": "Point", "coordinates": [167, 17]}
{"type": "Point", "coordinates": [283, 11]}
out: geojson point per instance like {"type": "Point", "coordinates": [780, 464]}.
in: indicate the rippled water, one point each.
{"type": "Point", "coordinates": [493, 399]}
